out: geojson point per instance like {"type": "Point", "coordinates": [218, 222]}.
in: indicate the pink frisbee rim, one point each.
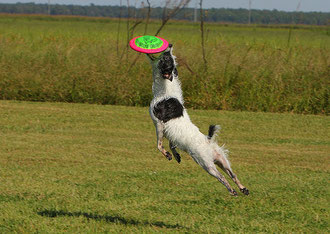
{"type": "Point", "coordinates": [148, 51]}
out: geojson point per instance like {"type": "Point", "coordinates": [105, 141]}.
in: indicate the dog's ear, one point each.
{"type": "Point", "coordinates": [170, 49]}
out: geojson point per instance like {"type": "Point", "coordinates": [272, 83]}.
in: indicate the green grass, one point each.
{"type": "Point", "coordinates": [85, 168]}
{"type": "Point", "coordinates": [250, 68]}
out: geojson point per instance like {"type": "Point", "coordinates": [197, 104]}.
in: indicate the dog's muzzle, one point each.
{"type": "Point", "coordinates": [168, 77]}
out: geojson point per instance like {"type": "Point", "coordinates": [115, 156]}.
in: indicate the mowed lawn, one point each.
{"type": "Point", "coordinates": [82, 168]}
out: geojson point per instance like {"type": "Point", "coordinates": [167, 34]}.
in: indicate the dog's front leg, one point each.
{"type": "Point", "coordinates": [175, 153]}
{"type": "Point", "coordinates": [160, 135]}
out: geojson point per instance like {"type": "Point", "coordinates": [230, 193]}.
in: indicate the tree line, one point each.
{"type": "Point", "coordinates": [210, 15]}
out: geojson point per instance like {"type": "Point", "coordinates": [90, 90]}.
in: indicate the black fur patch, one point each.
{"type": "Point", "coordinates": [211, 131]}
{"type": "Point", "coordinates": [168, 109]}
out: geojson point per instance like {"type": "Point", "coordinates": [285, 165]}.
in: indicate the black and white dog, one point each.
{"type": "Point", "coordinates": [172, 121]}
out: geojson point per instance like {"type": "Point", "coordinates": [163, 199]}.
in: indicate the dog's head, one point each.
{"type": "Point", "coordinates": [165, 64]}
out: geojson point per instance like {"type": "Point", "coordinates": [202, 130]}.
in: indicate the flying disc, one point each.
{"type": "Point", "coordinates": [148, 44]}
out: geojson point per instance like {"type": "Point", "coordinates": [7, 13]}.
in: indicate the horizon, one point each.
{"type": "Point", "coordinates": [280, 5]}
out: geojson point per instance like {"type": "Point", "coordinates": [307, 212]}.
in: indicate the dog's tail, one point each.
{"type": "Point", "coordinates": [213, 130]}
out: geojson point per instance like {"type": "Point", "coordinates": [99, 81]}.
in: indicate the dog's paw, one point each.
{"type": "Point", "coordinates": [168, 156]}
{"type": "Point", "coordinates": [245, 191]}
{"type": "Point", "coordinates": [234, 193]}
{"type": "Point", "coordinates": [177, 157]}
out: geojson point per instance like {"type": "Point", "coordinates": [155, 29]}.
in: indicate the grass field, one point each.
{"type": "Point", "coordinates": [250, 68]}
{"type": "Point", "coordinates": [83, 168]}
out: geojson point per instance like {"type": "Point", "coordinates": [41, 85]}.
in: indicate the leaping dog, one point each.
{"type": "Point", "coordinates": [172, 121]}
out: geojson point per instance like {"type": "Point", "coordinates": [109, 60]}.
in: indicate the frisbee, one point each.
{"type": "Point", "coordinates": [148, 44]}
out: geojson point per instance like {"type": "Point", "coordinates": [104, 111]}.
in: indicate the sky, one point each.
{"type": "Point", "coordinates": [284, 5]}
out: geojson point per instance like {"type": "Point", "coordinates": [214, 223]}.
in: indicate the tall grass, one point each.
{"type": "Point", "coordinates": [74, 59]}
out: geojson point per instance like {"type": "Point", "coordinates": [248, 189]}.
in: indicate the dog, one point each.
{"type": "Point", "coordinates": [172, 122]}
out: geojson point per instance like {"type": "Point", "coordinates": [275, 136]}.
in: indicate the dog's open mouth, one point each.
{"type": "Point", "coordinates": [168, 76]}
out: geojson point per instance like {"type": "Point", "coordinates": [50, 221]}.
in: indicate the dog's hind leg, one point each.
{"type": "Point", "coordinates": [212, 170]}
{"type": "Point", "coordinates": [160, 135]}
{"type": "Point", "coordinates": [223, 163]}
{"type": "Point", "coordinates": [175, 153]}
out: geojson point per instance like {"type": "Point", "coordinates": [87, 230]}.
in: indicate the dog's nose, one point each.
{"type": "Point", "coordinates": [170, 45]}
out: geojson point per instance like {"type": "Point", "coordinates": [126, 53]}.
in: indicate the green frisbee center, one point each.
{"type": "Point", "coordinates": [149, 42]}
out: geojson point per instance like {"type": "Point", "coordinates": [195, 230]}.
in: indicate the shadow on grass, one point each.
{"type": "Point", "coordinates": [107, 218]}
